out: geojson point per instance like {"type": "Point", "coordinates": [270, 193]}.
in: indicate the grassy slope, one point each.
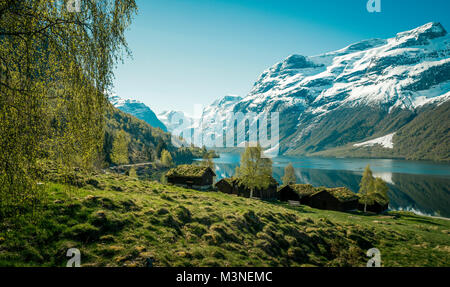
{"type": "Point", "coordinates": [122, 221]}
{"type": "Point", "coordinates": [427, 136]}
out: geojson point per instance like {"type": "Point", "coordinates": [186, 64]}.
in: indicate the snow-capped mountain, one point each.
{"type": "Point", "coordinates": [173, 119]}
{"type": "Point", "coordinates": [364, 91]}
{"type": "Point", "coordinates": [177, 121]}
{"type": "Point", "coordinates": [137, 109]}
{"type": "Point", "coordinates": [404, 71]}
{"type": "Point", "coordinates": [370, 83]}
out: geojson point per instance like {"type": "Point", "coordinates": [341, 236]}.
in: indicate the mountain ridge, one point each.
{"type": "Point", "coordinates": [137, 109]}
{"type": "Point", "coordinates": [366, 90]}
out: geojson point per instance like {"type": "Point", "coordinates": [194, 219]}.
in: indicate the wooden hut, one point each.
{"type": "Point", "coordinates": [376, 207]}
{"type": "Point", "coordinates": [339, 199]}
{"type": "Point", "coordinates": [287, 192]}
{"type": "Point", "coordinates": [227, 185]}
{"type": "Point", "coordinates": [296, 192]}
{"type": "Point", "coordinates": [191, 176]}
{"type": "Point", "coordinates": [232, 185]}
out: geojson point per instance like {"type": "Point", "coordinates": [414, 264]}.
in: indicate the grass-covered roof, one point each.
{"type": "Point", "coordinates": [303, 189]}
{"type": "Point", "coordinates": [235, 180]}
{"type": "Point", "coordinates": [341, 193]}
{"type": "Point", "coordinates": [230, 180]}
{"type": "Point", "coordinates": [188, 170]}
{"type": "Point", "coordinates": [272, 181]}
{"type": "Point", "coordinates": [381, 200]}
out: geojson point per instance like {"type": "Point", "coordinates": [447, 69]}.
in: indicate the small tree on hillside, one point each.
{"type": "Point", "coordinates": [254, 171]}
{"type": "Point", "coordinates": [366, 187]}
{"type": "Point", "coordinates": [119, 152]}
{"type": "Point", "coordinates": [163, 179]}
{"type": "Point", "coordinates": [372, 189]}
{"type": "Point", "coordinates": [160, 147]}
{"type": "Point", "coordinates": [132, 173]}
{"type": "Point", "coordinates": [236, 172]}
{"type": "Point", "coordinates": [166, 158]}
{"type": "Point", "coordinates": [289, 175]}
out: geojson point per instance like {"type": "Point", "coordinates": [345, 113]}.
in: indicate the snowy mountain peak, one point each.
{"type": "Point", "coordinates": [430, 31]}
{"type": "Point", "coordinates": [227, 100]}
{"type": "Point", "coordinates": [323, 100]}
{"type": "Point", "coordinates": [117, 101]}
{"type": "Point", "coordinates": [401, 72]}
{"type": "Point", "coordinates": [421, 35]}
{"type": "Point", "coordinates": [296, 62]}
{"type": "Point", "coordinates": [137, 109]}
{"type": "Point", "coordinates": [359, 46]}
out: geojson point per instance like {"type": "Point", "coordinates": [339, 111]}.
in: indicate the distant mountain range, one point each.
{"type": "Point", "coordinates": [137, 109]}
{"type": "Point", "coordinates": [367, 99]}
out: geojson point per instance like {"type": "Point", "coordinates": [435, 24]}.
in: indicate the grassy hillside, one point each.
{"type": "Point", "coordinates": [120, 221]}
{"type": "Point", "coordinates": [350, 151]}
{"type": "Point", "coordinates": [144, 139]}
{"type": "Point", "coordinates": [427, 136]}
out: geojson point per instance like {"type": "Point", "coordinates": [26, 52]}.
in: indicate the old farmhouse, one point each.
{"type": "Point", "coordinates": [376, 207]}
{"type": "Point", "coordinates": [232, 185]}
{"type": "Point", "coordinates": [227, 185]}
{"type": "Point", "coordinates": [296, 192]}
{"type": "Point", "coordinates": [191, 176]}
{"type": "Point", "coordinates": [340, 199]}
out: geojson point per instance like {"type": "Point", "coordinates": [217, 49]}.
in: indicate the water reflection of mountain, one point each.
{"type": "Point", "coordinates": [426, 194]}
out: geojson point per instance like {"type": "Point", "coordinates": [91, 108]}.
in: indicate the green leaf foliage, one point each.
{"type": "Point", "coordinates": [289, 175]}
{"type": "Point", "coordinates": [254, 171]}
{"type": "Point", "coordinates": [55, 67]}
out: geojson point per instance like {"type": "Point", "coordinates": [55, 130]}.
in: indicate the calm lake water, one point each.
{"type": "Point", "coordinates": [418, 186]}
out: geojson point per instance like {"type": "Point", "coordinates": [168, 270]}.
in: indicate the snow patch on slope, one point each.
{"type": "Point", "coordinates": [384, 141]}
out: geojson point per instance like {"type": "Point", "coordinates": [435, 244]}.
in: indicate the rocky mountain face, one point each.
{"type": "Point", "coordinates": [357, 97]}
{"type": "Point", "coordinates": [137, 109]}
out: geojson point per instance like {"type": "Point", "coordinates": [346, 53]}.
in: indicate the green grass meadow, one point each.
{"type": "Point", "coordinates": [116, 220]}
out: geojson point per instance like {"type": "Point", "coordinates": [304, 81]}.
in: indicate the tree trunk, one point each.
{"type": "Point", "coordinates": [365, 207]}
{"type": "Point", "coordinates": [251, 192]}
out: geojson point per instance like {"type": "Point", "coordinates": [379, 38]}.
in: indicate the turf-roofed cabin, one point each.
{"type": "Point", "coordinates": [232, 185]}
{"type": "Point", "coordinates": [296, 192]}
{"type": "Point", "coordinates": [377, 207]}
{"type": "Point", "coordinates": [191, 176]}
{"type": "Point", "coordinates": [340, 198]}
{"type": "Point", "coordinates": [228, 185]}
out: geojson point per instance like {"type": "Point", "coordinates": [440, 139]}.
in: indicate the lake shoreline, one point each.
{"type": "Point", "coordinates": [417, 185]}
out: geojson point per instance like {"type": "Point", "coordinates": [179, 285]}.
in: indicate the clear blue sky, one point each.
{"type": "Point", "coordinates": [188, 52]}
